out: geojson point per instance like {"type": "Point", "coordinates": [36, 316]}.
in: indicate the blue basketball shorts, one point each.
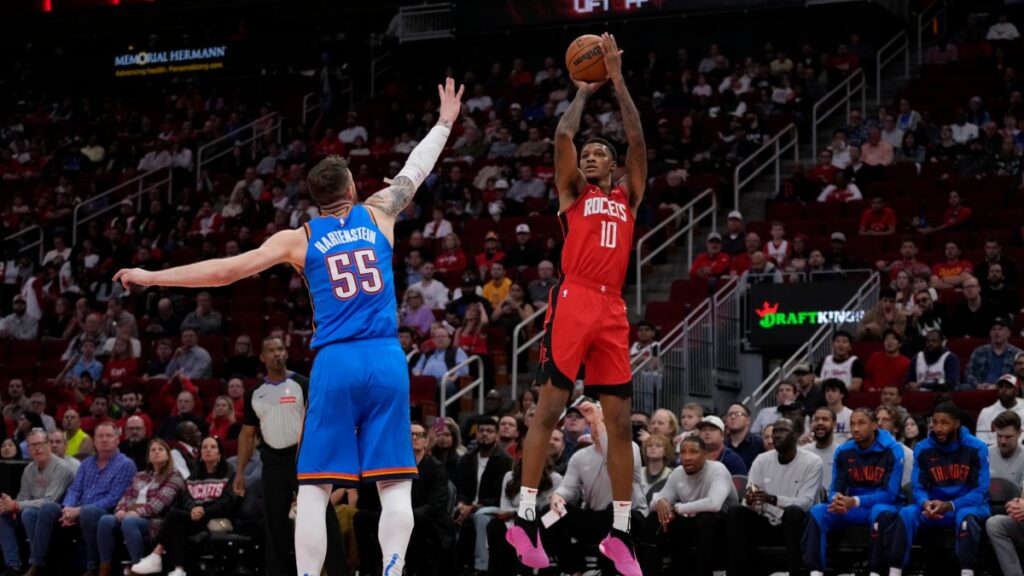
{"type": "Point", "coordinates": [357, 420]}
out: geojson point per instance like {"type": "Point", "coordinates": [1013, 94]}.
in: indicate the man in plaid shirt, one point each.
{"type": "Point", "coordinates": [98, 486]}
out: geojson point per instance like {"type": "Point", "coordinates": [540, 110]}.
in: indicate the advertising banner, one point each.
{"type": "Point", "coordinates": [787, 315]}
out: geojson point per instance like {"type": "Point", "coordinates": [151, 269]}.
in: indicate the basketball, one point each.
{"type": "Point", "coordinates": [585, 60]}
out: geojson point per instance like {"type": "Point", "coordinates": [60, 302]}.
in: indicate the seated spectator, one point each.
{"type": "Point", "coordinates": [893, 419]}
{"type": "Point", "coordinates": [838, 258]}
{"type": "Point", "coordinates": [99, 411]}
{"type": "Point", "coordinates": [741, 263]}
{"type": "Point", "coordinates": [19, 324]}
{"type": "Point", "coordinates": [989, 362]}
{"type": "Point", "coordinates": [1008, 389]}
{"type": "Point", "coordinates": [437, 228]}
{"type": "Point", "coordinates": [738, 437]}
{"type": "Point", "coordinates": [158, 366]}
{"type": "Point", "coordinates": [140, 512]}
{"type": "Point", "coordinates": [884, 316]}
{"type": "Point", "coordinates": [513, 310]}
{"type": "Point", "coordinates": [525, 188]}
{"type": "Point", "coordinates": [502, 558]}
{"type": "Point", "coordinates": [782, 486]}
{"type": "Point", "coordinates": [539, 288]}
{"type": "Point", "coordinates": [496, 290]}
{"type": "Point", "coordinates": [692, 507]}
{"type": "Point", "coordinates": [79, 444]}
{"type": "Point", "coordinates": [995, 289]}
{"type": "Point", "coordinates": [785, 393]}
{"type": "Point", "coordinates": [661, 456]}
{"type": "Point", "coordinates": [891, 134]}
{"type": "Point", "coordinates": [37, 404]}
{"type": "Point", "coordinates": [451, 260]}
{"type": "Point", "coordinates": [840, 191]}
{"type": "Point", "coordinates": [204, 320]}
{"type": "Point", "coordinates": [442, 359]}
{"type": "Point", "coordinates": [208, 495]}
{"type": "Point", "coordinates": [242, 362]}
{"type": "Point", "coordinates": [415, 314]}
{"type": "Point", "coordinates": [856, 497]}
{"type": "Point", "coordinates": [45, 479]}
{"type": "Point", "coordinates": [206, 222]}
{"type": "Point", "coordinates": [236, 392]}
{"type": "Point", "coordinates": [1006, 461]}
{"type": "Point", "coordinates": [122, 364]}
{"type": "Point", "coordinates": [584, 497]}
{"type": "Point", "coordinates": [492, 253]}
{"type": "Point", "coordinates": [935, 367]}
{"type": "Point", "coordinates": [523, 254]}
{"type": "Point", "coordinates": [808, 390]}
{"type": "Point", "coordinates": [823, 441]}
{"type": "Point", "coordinates": [908, 261]}
{"type": "Point", "coordinates": [190, 359]}
{"type": "Point", "coordinates": [96, 489]}
{"type": "Point", "coordinates": [959, 501]}
{"type": "Point", "coordinates": [502, 145]}
{"type": "Point", "coordinates": [116, 318]}
{"type": "Point", "coordinates": [879, 220]}
{"type": "Point", "coordinates": [909, 150]}
{"type": "Point", "coordinates": [136, 444]}
{"type": "Point", "coordinates": [860, 173]}
{"type": "Point", "coordinates": [953, 271]}
{"type": "Point", "coordinates": [84, 363]}
{"type": "Point", "coordinates": [433, 292]}
{"type": "Point", "coordinates": [645, 345]}
{"type": "Point", "coordinates": [185, 448]}
{"type": "Point", "coordinates": [886, 367]}
{"type": "Point", "coordinates": [535, 145]}
{"type": "Point", "coordinates": [1002, 30]}
{"type": "Point", "coordinates": [480, 493]}
{"type": "Point", "coordinates": [17, 401]}
{"type": "Point", "coordinates": [973, 317]}
{"type": "Point", "coordinates": [1006, 457]}
{"type": "Point", "coordinates": [840, 150]}
{"type": "Point", "coordinates": [712, 431]}
{"type": "Point", "coordinates": [167, 321]}
{"type": "Point", "coordinates": [962, 130]}
{"type": "Point", "coordinates": [58, 445]}
{"type": "Point", "coordinates": [875, 151]}
{"type": "Point", "coordinates": [841, 364]}
{"type": "Point", "coordinates": [714, 263]}
{"type": "Point", "coordinates": [185, 406]}
{"type": "Point", "coordinates": [222, 419]}
{"type": "Point", "coordinates": [928, 314]}
{"type": "Point", "coordinates": [994, 255]}
{"type": "Point", "coordinates": [835, 398]}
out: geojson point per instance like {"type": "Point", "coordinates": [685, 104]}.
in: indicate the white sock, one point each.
{"type": "Point", "coordinates": [895, 571]}
{"type": "Point", "coordinates": [311, 528]}
{"type": "Point", "coordinates": [967, 573]}
{"type": "Point", "coordinates": [817, 573]}
{"type": "Point", "coordinates": [620, 515]}
{"type": "Point", "coordinates": [396, 523]}
{"type": "Point", "coordinates": [528, 503]}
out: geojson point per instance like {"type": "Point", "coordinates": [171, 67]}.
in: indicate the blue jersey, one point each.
{"type": "Point", "coordinates": [350, 281]}
{"type": "Point", "coordinates": [873, 475]}
{"type": "Point", "coordinates": [956, 471]}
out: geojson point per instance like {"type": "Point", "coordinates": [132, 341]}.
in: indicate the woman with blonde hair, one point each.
{"type": "Point", "coordinates": [222, 420]}
{"type": "Point", "coordinates": [660, 452]}
{"type": "Point", "coordinates": [415, 313]}
{"type": "Point", "coordinates": [450, 262]}
{"type": "Point", "coordinates": [472, 335]}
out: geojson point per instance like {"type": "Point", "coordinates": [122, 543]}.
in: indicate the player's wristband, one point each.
{"type": "Point", "coordinates": [422, 159]}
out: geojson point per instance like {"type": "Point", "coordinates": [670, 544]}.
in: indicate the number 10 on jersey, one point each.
{"type": "Point", "coordinates": [346, 281]}
{"type": "Point", "coordinates": [609, 233]}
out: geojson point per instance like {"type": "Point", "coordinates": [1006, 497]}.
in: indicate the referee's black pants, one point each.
{"type": "Point", "coordinates": [748, 530]}
{"type": "Point", "coordinates": [703, 531]}
{"type": "Point", "coordinates": [280, 483]}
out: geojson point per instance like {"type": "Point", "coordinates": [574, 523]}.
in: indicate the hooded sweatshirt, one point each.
{"type": "Point", "coordinates": [873, 474]}
{"type": "Point", "coordinates": [956, 471]}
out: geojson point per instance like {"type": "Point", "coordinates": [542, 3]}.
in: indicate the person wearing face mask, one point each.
{"type": "Point", "coordinates": [691, 508]}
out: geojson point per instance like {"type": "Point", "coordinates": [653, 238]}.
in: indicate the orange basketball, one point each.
{"type": "Point", "coordinates": [585, 60]}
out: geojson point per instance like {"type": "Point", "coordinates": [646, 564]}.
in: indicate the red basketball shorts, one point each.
{"type": "Point", "coordinates": [586, 325]}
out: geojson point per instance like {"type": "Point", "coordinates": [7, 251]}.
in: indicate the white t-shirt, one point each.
{"type": "Point", "coordinates": [827, 456]}
{"type": "Point", "coordinates": [988, 415]}
{"type": "Point", "coordinates": [481, 465]}
{"type": "Point", "coordinates": [435, 296]}
{"type": "Point", "coordinates": [435, 230]}
{"type": "Point", "coordinates": [842, 433]}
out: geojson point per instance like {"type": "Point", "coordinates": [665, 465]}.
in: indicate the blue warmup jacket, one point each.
{"type": "Point", "coordinates": [957, 472]}
{"type": "Point", "coordinates": [873, 475]}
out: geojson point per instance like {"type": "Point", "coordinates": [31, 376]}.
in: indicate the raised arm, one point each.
{"type": "Point", "coordinates": [569, 180]}
{"type": "Point", "coordinates": [286, 247]}
{"type": "Point", "coordinates": [636, 155]}
{"type": "Point", "coordinates": [387, 204]}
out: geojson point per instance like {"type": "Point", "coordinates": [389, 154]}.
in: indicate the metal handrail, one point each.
{"type": "Point", "coordinates": [143, 187]}
{"type": "Point", "coordinates": [445, 401]}
{"type": "Point", "coordinates": [374, 72]}
{"type": "Point", "coordinates": [923, 23]}
{"type": "Point", "coordinates": [813, 345]}
{"type": "Point", "coordinates": [441, 22]}
{"type": "Point", "coordinates": [881, 62]}
{"type": "Point", "coordinates": [274, 121]}
{"type": "Point", "coordinates": [518, 348]}
{"type": "Point", "coordinates": [692, 221]}
{"type": "Point", "coordinates": [308, 107]}
{"type": "Point", "coordinates": [848, 85]}
{"type": "Point", "coordinates": [40, 242]}
{"type": "Point", "coordinates": [780, 149]}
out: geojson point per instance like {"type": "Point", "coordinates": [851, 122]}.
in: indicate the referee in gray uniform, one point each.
{"type": "Point", "coordinates": [274, 410]}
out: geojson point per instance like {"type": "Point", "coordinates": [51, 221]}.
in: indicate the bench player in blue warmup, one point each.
{"type": "Point", "coordinates": [360, 380]}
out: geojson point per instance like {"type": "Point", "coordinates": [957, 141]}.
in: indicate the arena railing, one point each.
{"type": "Point", "coordinates": [847, 89]}
{"type": "Point", "coordinates": [311, 101]}
{"type": "Point", "coordinates": [694, 355]}
{"type": "Point", "coordinates": [108, 201]}
{"type": "Point", "coordinates": [900, 44]}
{"type": "Point", "coordinates": [248, 135]}
{"type": "Point", "coordinates": [693, 219]}
{"type": "Point", "coordinates": [936, 12]}
{"type": "Point", "coordinates": [37, 243]}
{"type": "Point", "coordinates": [425, 22]}
{"type": "Point", "coordinates": [817, 346]}
{"type": "Point", "coordinates": [518, 348]}
{"type": "Point", "coordinates": [478, 383]}
{"type": "Point", "coordinates": [777, 148]}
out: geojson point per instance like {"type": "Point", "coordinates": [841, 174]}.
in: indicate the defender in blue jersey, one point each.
{"type": "Point", "coordinates": [866, 475]}
{"type": "Point", "coordinates": [357, 419]}
{"type": "Point", "coordinates": [950, 483]}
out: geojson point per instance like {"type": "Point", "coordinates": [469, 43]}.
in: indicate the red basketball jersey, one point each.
{"type": "Point", "coordinates": [598, 231]}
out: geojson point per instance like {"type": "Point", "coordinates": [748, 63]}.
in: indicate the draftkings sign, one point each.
{"type": "Point", "coordinates": [787, 315]}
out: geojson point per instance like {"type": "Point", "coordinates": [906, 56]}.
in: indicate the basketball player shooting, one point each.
{"type": "Point", "coordinates": [360, 379]}
{"type": "Point", "coordinates": [586, 318]}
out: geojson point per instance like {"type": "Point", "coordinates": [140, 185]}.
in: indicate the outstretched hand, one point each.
{"type": "Point", "coordinates": [137, 276]}
{"type": "Point", "coordinates": [612, 56]}
{"type": "Point", "coordinates": [451, 101]}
